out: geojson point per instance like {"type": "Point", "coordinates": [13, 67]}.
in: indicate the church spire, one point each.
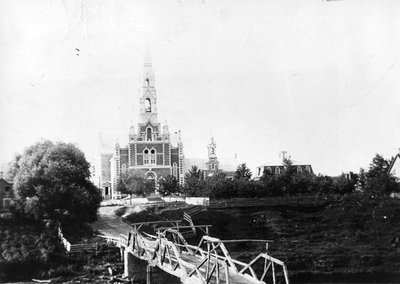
{"type": "Point", "coordinates": [148, 75]}
{"type": "Point", "coordinates": [148, 101]}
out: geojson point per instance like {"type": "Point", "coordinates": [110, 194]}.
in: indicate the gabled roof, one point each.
{"type": "Point", "coordinates": [280, 163]}
{"type": "Point", "coordinates": [393, 163]}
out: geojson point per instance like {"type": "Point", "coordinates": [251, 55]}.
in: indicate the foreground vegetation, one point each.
{"type": "Point", "coordinates": [354, 239]}
{"type": "Point", "coordinates": [51, 188]}
{"type": "Point", "coordinates": [33, 250]}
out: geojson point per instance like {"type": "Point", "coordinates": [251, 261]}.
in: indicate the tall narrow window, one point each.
{"type": "Point", "coordinates": [146, 156]}
{"type": "Point", "coordinates": [153, 157]}
{"type": "Point", "coordinates": [277, 171]}
{"type": "Point", "coordinates": [147, 82]}
{"type": "Point", "coordinates": [147, 105]}
{"type": "Point", "coordinates": [299, 170]}
{"type": "Point", "coordinates": [175, 169]}
{"type": "Point", "coordinates": [149, 134]}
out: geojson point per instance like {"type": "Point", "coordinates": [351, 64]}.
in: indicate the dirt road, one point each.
{"type": "Point", "coordinates": [109, 224]}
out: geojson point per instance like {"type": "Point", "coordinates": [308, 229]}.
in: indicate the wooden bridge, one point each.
{"type": "Point", "coordinates": [208, 262]}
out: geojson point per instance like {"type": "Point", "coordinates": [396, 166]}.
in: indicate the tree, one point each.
{"type": "Point", "coordinates": [168, 184]}
{"type": "Point", "coordinates": [13, 167]}
{"type": "Point", "coordinates": [194, 184]}
{"type": "Point", "coordinates": [342, 184]}
{"type": "Point", "coordinates": [243, 172]}
{"type": "Point", "coordinates": [52, 181]}
{"type": "Point", "coordinates": [378, 179]}
{"type": "Point", "coordinates": [131, 183]}
{"type": "Point", "coordinates": [290, 170]}
{"type": "Point", "coordinates": [195, 172]}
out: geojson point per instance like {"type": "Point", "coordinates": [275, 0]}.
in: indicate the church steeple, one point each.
{"type": "Point", "coordinates": [212, 164]}
{"type": "Point", "coordinates": [148, 75]}
{"type": "Point", "coordinates": [148, 100]}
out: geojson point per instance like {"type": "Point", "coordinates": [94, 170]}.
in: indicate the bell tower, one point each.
{"type": "Point", "coordinates": [212, 164]}
{"type": "Point", "coordinates": [148, 100]}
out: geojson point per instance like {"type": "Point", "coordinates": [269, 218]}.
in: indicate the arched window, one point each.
{"type": "Point", "coordinates": [308, 169]}
{"type": "Point", "coordinates": [299, 170]}
{"type": "Point", "coordinates": [146, 156]}
{"type": "Point", "coordinates": [147, 105]}
{"type": "Point", "coordinates": [175, 169]}
{"type": "Point", "coordinates": [269, 170]}
{"type": "Point", "coordinates": [149, 134]}
{"type": "Point", "coordinates": [153, 156]}
{"type": "Point", "coordinates": [147, 82]}
{"type": "Point", "coordinates": [277, 171]}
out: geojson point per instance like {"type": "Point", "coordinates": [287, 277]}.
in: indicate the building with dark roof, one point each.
{"type": "Point", "coordinates": [277, 167]}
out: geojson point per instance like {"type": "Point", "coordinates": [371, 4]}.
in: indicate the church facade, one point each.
{"type": "Point", "coordinates": [150, 151]}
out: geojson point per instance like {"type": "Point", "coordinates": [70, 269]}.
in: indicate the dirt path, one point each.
{"type": "Point", "coordinates": [109, 224]}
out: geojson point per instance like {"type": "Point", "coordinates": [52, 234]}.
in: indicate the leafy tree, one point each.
{"type": "Point", "coordinates": [13, 167]}
{"type": "Point", "coordinates": [52, 181]}
{"type": "Point", "coordinates": [149, 186]}
{"type": "Point", "coordinates": [343, 185]}
{"type": "Point", "coordinates": [266, 176]}
{"type": "Point", "coordinates": [168, 184]}
{"type": "Point", "coordinates": [243, 172]}
{"type": "Point", "coordinates": [219, 187]}
{"type": "Point", "coordinates": [290, 170]}
{"type": "Point", "coordinates": [378, 179]}
{"type": "Point", "coordinates": [195, 172]}
{"type": "Point", "coordinates": [131, 183]}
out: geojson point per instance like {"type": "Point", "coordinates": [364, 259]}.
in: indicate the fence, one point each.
{"type": "Point", "coordinates": [298, 199]}
{"type": "Point", "coordinates": [75, 248]}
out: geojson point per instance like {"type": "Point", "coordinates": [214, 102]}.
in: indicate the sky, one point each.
{"type": "Point", "coordinates": [318, 79]}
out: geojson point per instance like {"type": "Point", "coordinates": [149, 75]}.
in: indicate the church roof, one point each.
{"type": "Point", "coordinates": [280, 163]}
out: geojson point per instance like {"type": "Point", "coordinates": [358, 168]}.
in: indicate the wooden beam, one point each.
{"type": "Point", "coordinates": [239, 240]}
{"type": "Point", "coordinates": [155, 222]}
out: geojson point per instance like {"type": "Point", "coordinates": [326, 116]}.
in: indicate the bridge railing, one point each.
{"type": "Point", "coordinates": [209, 261]}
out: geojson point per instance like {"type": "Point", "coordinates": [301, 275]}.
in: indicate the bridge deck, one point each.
{"type": "Point", "coordinates": [209, 262]}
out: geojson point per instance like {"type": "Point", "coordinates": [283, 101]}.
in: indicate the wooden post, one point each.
{"type": "Point", "coordinates": [217, 273]}
{"type": "Point", "coordinates": [148, 274]}
{"type": "Point", "coordinates": [121, 249]}
{"type": "Point", "coordinates": [226, 273]}
{"type": "Point", "coordinates": [208, 260]}
{"type": "Point", "coordinates": [273, 272]}
{"type": "Point", "coordinates": [128, 269]}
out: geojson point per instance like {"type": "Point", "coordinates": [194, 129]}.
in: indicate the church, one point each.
{"type": "Point", "coordinates": [150, 151]}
